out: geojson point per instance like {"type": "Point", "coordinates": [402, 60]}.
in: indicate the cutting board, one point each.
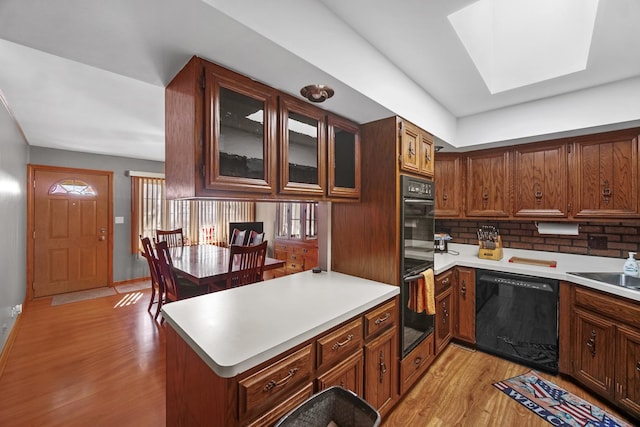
{"type": "Point", "coordinates": [531, 261]}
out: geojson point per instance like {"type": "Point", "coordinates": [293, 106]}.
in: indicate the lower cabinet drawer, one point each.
{"type": "Point", "coordinates": [339, 343]}
{"type": "Point", "coordinates": [416, 363]}
{"type": "Point", "coordinates": [268, 387]}
{"type": "Point", "coordinates": [294, 267]}
{"type": "Point", "coordinates": [271, 417]}
{"type": "Point", "coordinates": [380, 319]}
{"type": "Point", "coordinates": [347, 374]}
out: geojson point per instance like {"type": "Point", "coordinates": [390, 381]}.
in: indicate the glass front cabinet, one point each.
{"type": "Point", "coordinates": [344, 158]}
{"type": "Point", "coordinates": [241, 123]}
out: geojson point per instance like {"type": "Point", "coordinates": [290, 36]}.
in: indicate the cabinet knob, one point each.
{"type": "Point", "coordinates": [463, 289]}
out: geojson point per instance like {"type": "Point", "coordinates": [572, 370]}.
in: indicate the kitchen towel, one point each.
{"type": "Point", "coordinates": [422, 295]}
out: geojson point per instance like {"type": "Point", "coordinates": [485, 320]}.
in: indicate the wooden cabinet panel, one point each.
{"type": "Point", "coordinates": [540, 180]}
{"type": "Point", "coordinates": [344, 158]}
{"type": "Point", "coordinates": [593, 350]}
{"type": "Point", "coordinates": [488, 184]}
{"type": "Point", "coordinates": [273, 384]}
{"type": "Point", "coordinates": [443, 281]}
{"type": "Point", "coordinates": [443, 320]}
{"type": "Point", "coordinates": [416, 150]}
{"type": "Point", "coordinates": [339, 343]}
{"type": "Point", "coordinates": [347, 374]}
{"type": "Point", "coordinates": [449, 179]}
{"type": "Point", "coordinates": [465, 305]}
{"type": "Point", "coordinates": [381, 387]}
{"type": "Point", "coordinates": [380, 319]}
{"type": "Point", "coordinates": [605, 178]}
{"type": "Point", "coordinates": [628, 369]}
{"type": "Point", "coordinates": [416, 363]}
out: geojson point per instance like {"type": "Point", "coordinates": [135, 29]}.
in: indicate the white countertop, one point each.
{"type": "Point", "coordinates": [237, 329]}
{"type": "Point", "coordinates": [565, 263]}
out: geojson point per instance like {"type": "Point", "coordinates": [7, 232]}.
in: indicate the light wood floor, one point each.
{"type": "Point", "coordinates": [92, 363]}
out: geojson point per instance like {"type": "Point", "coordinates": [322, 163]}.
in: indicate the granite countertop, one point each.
{"type": "Point", "coordinates": [236, 330]}
{"type": "Point", "coordinates": [566, 263]}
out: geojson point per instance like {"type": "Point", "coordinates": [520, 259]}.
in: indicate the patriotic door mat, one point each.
{"type": "Point", "coordinates": [554, 404]}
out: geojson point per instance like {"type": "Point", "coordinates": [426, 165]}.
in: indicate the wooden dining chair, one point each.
{"type": "Point", "coordinates": [175, 289]}
{"type": "Point", "coordinates": [156, 284]}
{"type": "Point", "coordinates": [174, 238]}
{"type": "Point", "coordinates": [255, 238]}
{"type": "Point", "coordinates": [246, 265]}
{"type": "Point", "coordinates": [237, 237]}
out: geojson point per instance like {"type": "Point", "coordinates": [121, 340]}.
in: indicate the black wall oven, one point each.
{"type": "Point", "coordinates": [416, 254]}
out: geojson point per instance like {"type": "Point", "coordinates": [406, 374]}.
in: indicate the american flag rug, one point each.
{"type": "Point", "coordinates": [554, 404]}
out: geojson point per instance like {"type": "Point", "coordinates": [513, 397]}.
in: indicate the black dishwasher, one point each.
{"type": "Point", "coordinates": [517, 318]}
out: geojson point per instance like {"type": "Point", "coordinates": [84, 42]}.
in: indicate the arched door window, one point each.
{"type": "Point", "coordinates": [72, 187]}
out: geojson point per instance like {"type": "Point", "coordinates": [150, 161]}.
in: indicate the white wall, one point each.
{"type": "Point", "coordinates": [14, 155]}
{"type": "Point", "coordinates": [613, 106]}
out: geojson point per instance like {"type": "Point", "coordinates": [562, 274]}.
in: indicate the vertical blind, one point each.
{"type": "Point", "coordinates": [202, 221]}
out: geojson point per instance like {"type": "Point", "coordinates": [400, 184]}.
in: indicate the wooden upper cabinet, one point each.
{"type": "Point", "coordinates": [228, 136]}
{"type": "Point", "coordinates": [344, 158]}
{"type": "Point", "coordinates": [605, 176]}
{"type": "Point", "coordinates": [488, 184]}
{"type": "Point", "coordinates": [416, 150]}
{"type": "Point", "coordinates": [540, 181]}
{"type": "Point", "coordinates": [302, 148]}
{"type": "Point", "coordinates": [448, 179]}
{"type": "Point", "coordinates": [239, 127]}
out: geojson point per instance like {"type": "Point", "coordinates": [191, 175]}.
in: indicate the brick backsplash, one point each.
{"type": "Point", "coordinates": [622, 237]}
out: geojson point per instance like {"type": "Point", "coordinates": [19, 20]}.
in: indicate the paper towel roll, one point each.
{"type": "Point", "coordinates": [561, 228]}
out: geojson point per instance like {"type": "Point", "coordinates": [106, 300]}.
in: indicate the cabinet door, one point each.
{"type": "Point", "coordinates": [302, 148]}
{"type": "Point", "coordinates": [381, 371]}
{"type": "Point", "coordinates": [416, 150]}
{"type": "Point", "coordinates": [240, 119]}
{"type": "Point", "coordinates": [409, 146]}
{"type": "Point", "coordinates": [605, 179]}
{"type": "Point", "coordinates": [426, 152]}
{"type": "Point", "coordinates": [448, 181]}
{"type": "Point", "coordinates": [344, 158]}
{"type": "Point", "coordinates": [444, 324]}
{"type": "Point", "coordinates": [540, 181]}
{"type": "Point", "coordinates": [628, 369]}
{"type": "Point", "coordinates": [347, 374]}
{"type": "Point", "coordinates": [488, 184]}
{"type": "Point", "coordinates": [465, 305]}
{"type": "Point", "coordinates": [593, 350]}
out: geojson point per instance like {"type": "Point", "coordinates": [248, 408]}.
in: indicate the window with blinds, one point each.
{"type": "Point", "coordinates": [202, 221]}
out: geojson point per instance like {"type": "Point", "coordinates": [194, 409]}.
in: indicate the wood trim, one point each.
{"type": "Point", "coordinates": [31, 171]}
{"type": "Point", "coordinates": [129, 281]}
{"type": "Point", "coordinates": [4, 355]}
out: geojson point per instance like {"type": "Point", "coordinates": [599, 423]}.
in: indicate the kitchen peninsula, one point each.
{"type": "Point", "coordinates": [250, 354]}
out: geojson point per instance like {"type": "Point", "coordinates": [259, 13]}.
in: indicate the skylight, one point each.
{"type": "Point", "coordinates": [515, 43]}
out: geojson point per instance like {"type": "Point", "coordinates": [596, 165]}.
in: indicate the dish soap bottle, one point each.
{"type": "Point", "coordinates": [631, 266]}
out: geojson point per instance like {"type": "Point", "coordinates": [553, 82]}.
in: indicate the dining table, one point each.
{"type": "Point", "coordinates": [208, 265]}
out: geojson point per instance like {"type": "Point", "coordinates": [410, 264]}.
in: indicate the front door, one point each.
{"type": "Point", "coordinates": [71, 230]}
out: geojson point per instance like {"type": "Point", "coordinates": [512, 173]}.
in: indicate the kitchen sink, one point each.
{"type": "Point", "coordinates": [616, 279]}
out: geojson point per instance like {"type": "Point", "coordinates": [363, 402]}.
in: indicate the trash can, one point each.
{"type": "Point", "coordinates": [343, 407]}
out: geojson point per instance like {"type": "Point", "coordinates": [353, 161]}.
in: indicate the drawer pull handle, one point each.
{"type": "Point", "coordinates": [445, 282]}
{"type": "Point", "coordinates": [383, 319]}
{"type": "Point", "coordinates": [637, 366]}
{"type": "Point", "coordinates": [273, 383]}
{"type": "Point", "coordinates": [337, 345]}
{"type": "Point", "coordinates": [418, 361]}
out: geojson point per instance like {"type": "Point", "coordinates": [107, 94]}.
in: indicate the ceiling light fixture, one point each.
{"type": "Point", "coordinates": [316, 93]}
